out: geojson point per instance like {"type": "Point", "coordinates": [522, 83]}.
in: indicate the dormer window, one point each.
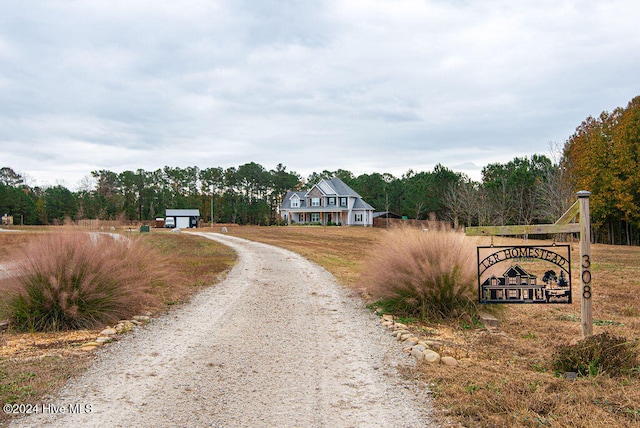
{"type": "Point", "coordinates": [332, 201]}
{"type": "Point", "coordinates": [295, 202]}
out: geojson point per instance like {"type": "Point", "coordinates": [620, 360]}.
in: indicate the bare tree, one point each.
{"type": "Point", "coordinates": [555, 194]}
{"type": "Point", "coordinates": [462, 201]}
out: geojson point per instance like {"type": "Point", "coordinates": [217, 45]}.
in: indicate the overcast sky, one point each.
{"type": "Point", "coordinates": [367, 86]}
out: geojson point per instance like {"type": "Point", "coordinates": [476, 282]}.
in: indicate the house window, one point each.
{"type": "Point", "coordinates": [315, 202]}
{"type": "Point", "coordinates": [512, 280]}
{"type": "Point", "coordinates": [343, 202]}
{"type": "Point", "coordinates": [359, 218]}
{"type": "Point", "coordinates": [332, 201]}
{"type": "Point", "coordinates": [512, 294]}
{"type": "Point", "coordinates": [295, 203]}
{"type": "Point", "coordinates": [315, 217]}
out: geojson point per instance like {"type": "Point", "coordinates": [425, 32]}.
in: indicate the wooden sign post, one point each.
{"type": "Point", "coordinates": [585, 263]}
{"type": "Point", "coordinates": [564, 224]}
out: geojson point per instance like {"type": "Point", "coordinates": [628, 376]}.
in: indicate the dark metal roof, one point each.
{"type": "Point", "coordinates": [386, 214]}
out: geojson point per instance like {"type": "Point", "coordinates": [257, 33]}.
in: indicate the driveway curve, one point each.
{"type": "Point", "coordinates": [278, 343]}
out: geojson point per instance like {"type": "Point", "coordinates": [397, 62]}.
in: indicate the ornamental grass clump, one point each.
{"type": "Point", "coordinates": [429, 274]}
{"type": "Point", "coordinates": [79, 280]}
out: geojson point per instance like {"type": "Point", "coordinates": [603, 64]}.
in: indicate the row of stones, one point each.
{"type": "Point", "coordinates": [110, 333]}
{"type": "Point", "coordinates": [421, 350]}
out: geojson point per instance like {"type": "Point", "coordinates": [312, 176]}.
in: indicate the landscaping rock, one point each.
{"type": "Point", "coordinates": [419, 348]}
{"type": "Point", "coordinates": [410, 341]}
{"type": "Point", "coordinates": [489, 320]}
{"type": "Point", "coordinates": [87, 348]}
{"type": "Point", "coordinates": [449, 361]}
{"type": "Point", "coordinates": [433, 344]}
{"type": "Point", "coordinates": [124, 326]}
{"type": "Point", "coordinates": [418, 355]}
{"type": "Point", "coordinates": [404, 337]}
{"type": "Point", "coordinates": [108, 332]}
{"type": "Point", "coordinates": [90, 344]}
{"type": "Point", "coordinates": [430, 356]}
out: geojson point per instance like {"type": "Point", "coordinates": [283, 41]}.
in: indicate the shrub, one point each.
{"type": "Point", "coordinates": [601, 353]}
{"type": "Point", "coordinates": [71, 281]}
{"type": "Point", "coordinates": [430, 274]}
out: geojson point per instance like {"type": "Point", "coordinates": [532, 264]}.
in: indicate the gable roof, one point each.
{"type": "Point", "coordinates": [328, 187]}
{"type": "Point", "coordinates": [360, 204]}
{"type": "Point", "coordinates": [286, 202]}
{"type": "Point", "coordinates": [336, 187]}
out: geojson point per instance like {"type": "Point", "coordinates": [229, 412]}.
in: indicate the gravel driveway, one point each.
{"type": "Point", "coordinates": [278, 343]}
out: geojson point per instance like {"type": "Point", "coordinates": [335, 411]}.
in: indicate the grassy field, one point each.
{"type": "Point", "coordinates": [506, 378]}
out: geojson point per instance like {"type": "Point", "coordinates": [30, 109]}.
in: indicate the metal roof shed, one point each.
{"type": "Point", "coordinates": [184, 219]}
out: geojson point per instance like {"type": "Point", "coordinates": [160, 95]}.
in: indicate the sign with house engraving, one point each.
{"type": "Point", "coordinates": [524, 274]}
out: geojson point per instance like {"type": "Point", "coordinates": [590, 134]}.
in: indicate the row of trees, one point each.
{"type": "Point", "coordinates": [601, 156]}
{"type": "Point", "coordinates": [250, 194]}
{"type": "Point", "coordinates": [29, 205]}
{"type": "Point", "coordinates": [521, 191]}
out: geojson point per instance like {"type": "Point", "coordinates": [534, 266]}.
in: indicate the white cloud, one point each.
{"type": "Point", "coordinates": [368, 86]}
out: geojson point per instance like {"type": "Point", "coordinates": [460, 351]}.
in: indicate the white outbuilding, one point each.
{"type": "Point", "coordinates": [183, 219]}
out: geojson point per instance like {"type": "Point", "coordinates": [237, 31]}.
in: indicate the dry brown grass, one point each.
{"type": "Point", "coordinates": [195, 263]}
{"type": "Point", "coordinates": [339, 252]}
{"type": "Point", "coordinates": [34, 365]}
{"type": "Point", "coordinates": [11, 242]}
{"type": "Point", "coordinates": [506, 379]}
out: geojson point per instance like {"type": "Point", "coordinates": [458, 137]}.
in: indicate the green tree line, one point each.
{"type": "Point", "coordinates": [601, 156]}
{"type": "Point", "coordinates": [251, 194]}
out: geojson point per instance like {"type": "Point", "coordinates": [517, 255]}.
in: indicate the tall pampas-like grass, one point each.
{"type": "Point", "coordinates": [78, 280]}
{"type": "Point", "coordinates": [429, 274]}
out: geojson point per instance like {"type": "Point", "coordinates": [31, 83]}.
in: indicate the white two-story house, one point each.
{"type": "Point", "coordinates": [328, 202]}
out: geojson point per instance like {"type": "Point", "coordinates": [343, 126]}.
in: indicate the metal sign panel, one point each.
{"type": "Point", "coordinates": [524, 274]}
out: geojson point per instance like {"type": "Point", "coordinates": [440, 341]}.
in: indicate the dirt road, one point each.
{"type": "Point", "coordinates": [276, 344]}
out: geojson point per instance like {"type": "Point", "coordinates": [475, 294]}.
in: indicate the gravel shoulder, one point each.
{"type": "Point", "coordinates": [277, 343]}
